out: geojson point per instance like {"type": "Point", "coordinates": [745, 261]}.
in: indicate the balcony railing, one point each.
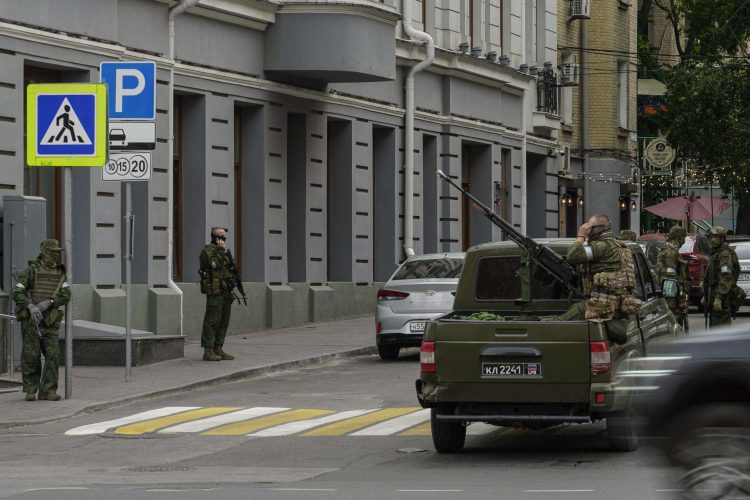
{"type": "Point", "coordinates": [546, 88]}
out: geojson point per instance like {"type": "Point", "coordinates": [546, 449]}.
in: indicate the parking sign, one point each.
{"type": "Point", "coordinates": [132, 89]}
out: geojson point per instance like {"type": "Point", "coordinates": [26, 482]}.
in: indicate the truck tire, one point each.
{"type": "Point", "coordinates": [388, 352]}
{"type": "Point", "coordinates": [448, 437]}
{"type": "Point", "coordinates": [621, 431]}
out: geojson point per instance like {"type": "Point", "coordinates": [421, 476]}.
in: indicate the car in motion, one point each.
{"type": "Point", "coordinates": [422, 288]}
{"type": "Point", "coordinates": [694, 399]}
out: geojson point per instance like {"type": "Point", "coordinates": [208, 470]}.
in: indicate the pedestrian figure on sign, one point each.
{"type": "Point", "coordinates": [40, 292]}
{"type": "Point", "coordinates": [67, 124]}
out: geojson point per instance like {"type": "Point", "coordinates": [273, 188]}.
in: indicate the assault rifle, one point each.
{"type": "Point", "coordinates": [236, 279]}
{"type": "Point", "coordinates": [544, 256]}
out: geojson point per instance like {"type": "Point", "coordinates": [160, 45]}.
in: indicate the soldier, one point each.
{"type": "Point", "coordinates": [40, 292]}
{"type": "Point", "coordinates": [627, 235]}
{"type": "Point", "coordinates": [720, 279]}
{"type": "Point", "coordinates": [608, 277]}
{"type": "Point", "coordinates": [670, 264]}
{"type": "Point", "coordinates": [217, 284]}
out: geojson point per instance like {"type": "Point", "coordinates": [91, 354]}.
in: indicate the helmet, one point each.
{"type": "Point", "coordinates": [627, 234]}
{"type": "Point", "coordinates": [50, 245]}
{"type": "Point", "coordinates": [677, 233]}
{"type": "Point", "coordinates": [717, 231]}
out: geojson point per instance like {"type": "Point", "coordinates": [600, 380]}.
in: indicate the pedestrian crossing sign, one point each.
{"type": "Point", "coordinates": [66, 125]}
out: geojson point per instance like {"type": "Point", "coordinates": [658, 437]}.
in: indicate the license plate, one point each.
{"type": "Point", "coordinates": [744, 277]}
{"type": "Point", "coordinates": [417, 326]}
{"type": "Point", "coordinates": [511, 369]}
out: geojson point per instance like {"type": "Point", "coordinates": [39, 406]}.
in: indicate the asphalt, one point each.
{"type": "Point", "coordinates": [256, 353]}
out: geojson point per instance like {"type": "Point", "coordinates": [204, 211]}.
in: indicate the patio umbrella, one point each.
{"type": "Point", "coordinates": [690, 207]}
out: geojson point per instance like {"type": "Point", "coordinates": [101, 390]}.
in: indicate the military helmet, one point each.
{"type": "Point", "coordinates": [51, 245]}
{"type": "Point", "coordinates": [627, 234]}
{"type": "Point", "coordinates": [677, 233]}
{"type": "Point", "coordinates": [717, 231]}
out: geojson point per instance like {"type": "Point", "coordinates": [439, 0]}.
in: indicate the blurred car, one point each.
{"type": "Point", "coordinates": [743, 255]}
{"type": "Point", "coordinates": [695, 251]}
{"type": "Point", "coordinates": [693, 398]}
{"type": "Point", "coordinates": [421, 289]}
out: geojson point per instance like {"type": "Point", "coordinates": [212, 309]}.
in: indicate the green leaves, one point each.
{"type": "Point", "coordinates": [485, 316]}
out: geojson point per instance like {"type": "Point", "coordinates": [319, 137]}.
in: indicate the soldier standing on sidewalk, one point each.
{"type": "Point", "coordinates": [670, 264]}
{"type": "Point", "coordinates": [217, 283]}
{"type": "Point", "coordinates": [40, 292]}
{"type": "Point", "coordinates": [720, 279]}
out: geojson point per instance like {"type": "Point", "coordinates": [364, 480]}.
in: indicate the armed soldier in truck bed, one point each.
{"type": "Point", "coordinates": [607, 275]}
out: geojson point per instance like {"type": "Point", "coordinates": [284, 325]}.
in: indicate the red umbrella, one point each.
{"type": "Point", "coordinates": [692, 207]}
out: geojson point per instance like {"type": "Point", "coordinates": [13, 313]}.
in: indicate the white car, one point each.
{"type": "Point", "coordinates": [743, 255]}
{"type": "Point", "coordinates": [421, 289]}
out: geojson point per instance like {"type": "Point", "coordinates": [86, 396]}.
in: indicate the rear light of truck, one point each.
{"type": "Point", "coordinates": [600, 360]}
{"type": "Point", "coordinates": [427, 357]}
{"type": "Point", "coordinates": [385, 294]}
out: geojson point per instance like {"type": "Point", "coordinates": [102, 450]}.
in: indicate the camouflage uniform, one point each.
{"type": "Point", "coordinates": [722, 272]}
{"type": "Point", "coordinates": [43, 284]}
{"type": "Point", "coordinates": [670, 264]}
{"type": "Point", "coordinates": [608, 281]}
{"type": "Point", "coordinates": [217, 285]}
{"type": "Point", "coordinates": [627, 235]}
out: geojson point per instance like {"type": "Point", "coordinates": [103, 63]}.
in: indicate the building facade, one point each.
{"type": "Point", "coordinates": [288, 122]}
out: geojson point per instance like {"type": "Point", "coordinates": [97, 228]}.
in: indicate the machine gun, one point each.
{"type": "Point", "coordinates": [544, 256]}
{"type": "Point", "coordinates": [236, 278]}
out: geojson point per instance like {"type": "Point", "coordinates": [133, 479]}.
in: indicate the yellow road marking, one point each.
{"type": "Point", "coordinates": [424, 429]}
{"type": "Point", "coordinates": [159, 423]}
{"type": "Point", "coordinates": [257, 424]}
{"type": "Point", "coordinates": [352, 424]}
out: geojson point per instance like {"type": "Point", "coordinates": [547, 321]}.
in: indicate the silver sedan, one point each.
{"type": "Point", "coordinates": [421, 289]}
{"type": "Point", "coordinates": [743, 255]}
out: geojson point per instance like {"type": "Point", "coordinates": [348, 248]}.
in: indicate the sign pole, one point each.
{"type": "Point", "coordinates": [128, 255]}
{"type": "Point", "coordinates": [68, 222]}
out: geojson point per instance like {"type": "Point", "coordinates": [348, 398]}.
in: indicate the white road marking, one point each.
{"type": "Point", "coordinates": [429, 491]}
{"type": "Point", "coordinates": [303, 425]}
{"type": "Point", "coordinates": [558, 491]}
{"type": "Point", "coordinates": [303, 489]}
{"type": "Point", "coordinates": [395, 425]}
{"type": "Point", "coordinates": [218, 420]}
{"type": "Point", "coordinates": [100, 427]}
{"type": "Point", "coordinates": [57, 488]}
{"type": "Point", "coordinates": [480, 428]}
{"type": "Point", "coordinates": [180, 491]}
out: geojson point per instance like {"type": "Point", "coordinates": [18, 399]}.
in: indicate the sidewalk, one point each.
{"type": "Point", "coordinates": [98, 387]}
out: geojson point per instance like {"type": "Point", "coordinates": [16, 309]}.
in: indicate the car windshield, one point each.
{"type": "Point", "coordinates": [497, 279]}
{"type": "Point", "coordinates": [444, 267]}
{"type": "Point", "coordinates": [743, 252]}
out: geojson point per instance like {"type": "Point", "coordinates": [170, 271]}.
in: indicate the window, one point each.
{"type": "Point", "coordinates": [644, 278]}
{"type": "Point", "coordinates": [622, 113]}
{"type": "Point", "coordinates": [497, 279]}
{"type": "Point", "coordinates": [430, 269]}
{"type": "Point", "coordinates": [566, 96]}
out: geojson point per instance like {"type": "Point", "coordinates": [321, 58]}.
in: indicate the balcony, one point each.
{"type": "Point", "coordinates": [544, 123]}
{"type": "Point", "coordinates": [332, 42]}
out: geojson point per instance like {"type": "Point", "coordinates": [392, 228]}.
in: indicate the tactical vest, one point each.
{"type": "Point", "coordinates": [611, 292]}
{"type": "Point", "coordinates": [45, 284]}
{"type": "Point", "coordinates": [219, 280]}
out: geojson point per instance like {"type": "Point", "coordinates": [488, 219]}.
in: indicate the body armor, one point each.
{"type": "Point", "coordinates": [46, 283]}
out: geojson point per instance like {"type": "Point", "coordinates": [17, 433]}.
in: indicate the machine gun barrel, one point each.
{"type": "Point", "coordinates": [544, 256]}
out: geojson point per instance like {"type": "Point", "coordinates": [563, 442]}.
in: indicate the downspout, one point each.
{"type": "Point", "coordinates": [524, 122]}
{"type": "Point", "coordinates": [585, 114]}
{"type": "Point", "coordinates": [409, 125]}
{"type": "Point", "coordinates": [174, 11]}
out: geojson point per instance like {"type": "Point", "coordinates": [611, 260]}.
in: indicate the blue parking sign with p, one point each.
{"type": "Point", "coordinates": [132, 89]}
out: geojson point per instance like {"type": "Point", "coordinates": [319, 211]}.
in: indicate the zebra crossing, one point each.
{"type": "Point", "coordinates": [282, 421]}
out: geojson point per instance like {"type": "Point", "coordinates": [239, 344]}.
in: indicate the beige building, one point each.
{"type": "Point", "coordinates": [598, 89]}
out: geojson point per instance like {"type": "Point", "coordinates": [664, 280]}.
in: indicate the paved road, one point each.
{"type": "Point", "coordinates": [349, 429]}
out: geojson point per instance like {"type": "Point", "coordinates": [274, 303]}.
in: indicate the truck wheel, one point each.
{"type": "Point", "coordinates": [448, 437]}
{"type": "Point", "coordinates": [621, 431]}
{"type": "Point", "coordinates": [388, 352]}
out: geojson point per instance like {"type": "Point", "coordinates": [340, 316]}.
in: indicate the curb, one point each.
{"type": "Point", "coordinates": [222, 379]}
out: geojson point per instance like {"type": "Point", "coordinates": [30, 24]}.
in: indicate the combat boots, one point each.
{"type": "Point", "coordinates": [51, 396]}
{"type": "Point", "coordinates": [220, 352]}
{"type": "Point", "coordinates": [209, 355]}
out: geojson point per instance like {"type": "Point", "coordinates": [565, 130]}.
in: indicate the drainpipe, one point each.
{"type": "Point", "coordinates": [585, 114]}
{"type": "Point", "coordinates": [524, 122]}
{"type": "Point", "coordinates": [409, 125]}
{"type": "Point", "coordinates": [174, 11]}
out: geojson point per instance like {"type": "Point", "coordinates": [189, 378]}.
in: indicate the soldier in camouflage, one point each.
{"type": "Point", "coordinates": [217, 284]}
{"type": "Point", "coordinates": [608, 277]}
{"type": "Point", "coordinates": [41, 290]}
{"type": "Point", "coordinates": [670, 264]}
{"type": "Point", "coordinates": [720, 279]}
{"type": "Point", "coordinates": [627, 235]}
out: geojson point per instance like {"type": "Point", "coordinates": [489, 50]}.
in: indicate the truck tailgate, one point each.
{"type": "Point", "coordinates": [513, 361]}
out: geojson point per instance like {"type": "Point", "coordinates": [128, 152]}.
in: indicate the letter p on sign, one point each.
{"type": "Point", "coordinates": [132, 89]}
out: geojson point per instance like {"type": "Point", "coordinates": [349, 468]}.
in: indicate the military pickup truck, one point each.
{"type": "Point", "coordinates": [502, 357]}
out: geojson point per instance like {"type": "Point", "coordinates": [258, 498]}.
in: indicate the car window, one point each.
{"type": "Point", "coordinates": [497, 279]}
{"type": "Point", "coordinates": [638, 291]}
{"type": "Point", "coordinates": [743, 251]}
{"type": "Point", "coordinates": [430, 268]}
{"type": "Point", "coordinates": [648, 280]}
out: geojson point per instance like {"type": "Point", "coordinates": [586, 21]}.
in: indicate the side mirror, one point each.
{"type": "Point", "coordinates": [670, 289]}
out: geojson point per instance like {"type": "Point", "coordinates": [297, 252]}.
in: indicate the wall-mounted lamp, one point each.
{"type": "Point", "coordinates": [580, 202]}
{"type": "Point", "coordinates": [633, 206]}
{"type": "Point", "coordinates": [623, 204]}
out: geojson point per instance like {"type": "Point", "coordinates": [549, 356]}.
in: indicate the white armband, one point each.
{"type": "Point", "coordinates": [589, 252]}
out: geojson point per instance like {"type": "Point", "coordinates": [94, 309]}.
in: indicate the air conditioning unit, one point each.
{"type": "Point", "coordinates": [563, 161]}
{"type": "Point", "coordinates": [570, 74]}
{"type": "Point", "coordinates": [579, 9]}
